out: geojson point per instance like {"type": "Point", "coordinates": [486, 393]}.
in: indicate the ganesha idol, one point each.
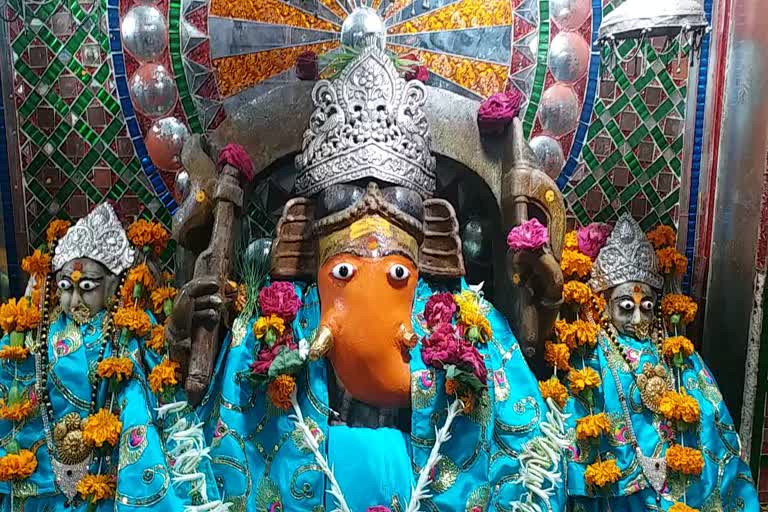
{"type": "Point", "coordinates": [364, 373]}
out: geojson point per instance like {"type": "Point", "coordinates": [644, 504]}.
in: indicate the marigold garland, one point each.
{"type": "Point", "coordinates": [565, 333]}
{"type": "Point", "coordinates": [56, 229]}
{"type": "Point", "coordinates": [19, 411]}
{"type": "Point", "coordinates": [163, 376]}
{"type": "Point", "coordinates": [263, 324]}
{"type": "Point", "coordinates": [280, 390]}
{"type": "Point", "coordinates": [37, 264]}
{"type": "Point", "coordinates": [93, 488]}
{"type": "Point", "coordinates": [160, 295]}
{"type": "Point", "coordinates": [557, 355]}
{"type": "Point", "coordinates": [474, 318]}
{"type": "Point", "coordinates": [145, 234]}
{"type": "Point", "coordinates": [139, 275]}
{"type": "Point", "coordinates": [677, 345]}
{"type": "Point", "coordinates": [156, 340]}
{"type": "Point", "coordinates": [662, 236]}
{"type": "Point", "coordinates": [671, 261]}
{"type": "Point", "coordinates": [585, 333]}
{"type": "Point", "coordinates": [687, 461]}
{"type": "Point", "coordinates": [679, 407]}
{"type": "Point", "coordinates": [678, 304]}
{"type": "Point", "coordinates": [240, 299]}
{"type": "Point", "coordinates": [19, 315]}
{"type": "Point", "coordinates": [682, 507]}
{"type": "Point", "coordinates": [133, 319]}
{"type": "Point", "coordinates": [11, 353]}
{"type": "Point", "coordinates": [576, 292]}
{"type": "Point", "coordinates": [575, 264]}
{"type": "Point", "coordinates": [102, 428]}
{"type": "Point", "coordinates": [592, 426]}
{"type": "Point", "coordinates": [571, 242]}
{"type": "Point", "coordinates": [597, 306]}
{"type": "Point", "coordinates": [119, 368]}
{"type": "Point", "coordinates": [603, 473]}
{"type": "Point", "coordinates": [451, 387]}
{"type": "Point", "coordinates": [17, 466]}
{"type": "Point", "coordinates": [553, 388]}
{"type": "Point", "coordinates": [586, 378]}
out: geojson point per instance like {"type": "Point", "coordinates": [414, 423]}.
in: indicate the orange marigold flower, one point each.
{"type": "Point", "coordinates": [18, 411]}
{"type": "Point", "coordinates": [575, 264]}
{"type": "Point", "coordinates": [597, 306]}
{"type": "Point", "coordinates": [93, 488]}
{"type": "Point", "coordinates": [602, 473]}
{"type": "Point", "coordinates": [37, 264]}
{"type": "Point", "coordinates": [241, 299]}
{"type": "Point", "coordinates": [271, 322]}
{"type": "Point", "coordinates": [138, 275]}
{"type": "Point", "coordinates": [682, 507]}
{"type": "Point", "coordinates": [678, 304]}
{"type": "Point", "coordinates": [576, 292]}
{"type": "Point", "coordinates": [166, 277]}
{"type": "Point", "coordinates": [156, 340]}
{"type": "Point", "coordinates": [56, 229]}
{"type": "Point", "coordinates": [467, 402]}
{"type": "Point", "coordinates": [662, 236]}
{"type": "Point", "coordinates": [553, 389]}
{"type": "Point", "coordinates": [160, 237]}
{"type": "Point", "coordinates": [475, 318]}
{"type": "Point", "coordinates": [11, 353]}
{"type": "Point", "coordinates": [102, 428]}
{"type": "Point", "coordinates": [144, 233]}
{"type": "Point", "coordinates": [28, 316]}
{"type": "Point", "coordinates": [280, 391]}
{"type": "Point", "coordinates": [557, 355]}
{"type": "Point", "coordinates": [161, 295]}
{"type": "Point", "coordinates": [119, 368]}
{"type": "Point", "coordinates": [671, 261]}
{"type": "Point", "coordinates": [17, 466]}
{"type": "Point", "coordinates": [451, 387]}
{"type": "Point", "coordinates": [677, 345]}
{"type": "Point", "coordinates": [163, 375]}
{"type": "Point", "coordinates": [134, 319]}
{"type": "Point", "coordinates": [571, 241]}
{"type": "Point", "coordinates": [565, 333]}
{"type": "Point", "coordinates": [679, 407]}
{"type": "Point", "coordinates": [586, 378]}
{"type": "Point", "coordinates": [8, 313]}
{"type": "Point", "coordinates": [592, 426]}
{"type": "Point", "coordinates": [687, 461]}
{"type": "Point", "coordinates": [585, 333]}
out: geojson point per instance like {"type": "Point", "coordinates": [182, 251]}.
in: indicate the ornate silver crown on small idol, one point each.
{"type": "Point", "coordinates": [368, 123]}
{"type": "Point", "coordinates": [628, 256]}
{"type": "Point", "coordinates": [100, 237]}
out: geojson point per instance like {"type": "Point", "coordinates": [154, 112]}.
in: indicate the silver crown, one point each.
{"type": "Point", "coordinates": [627, 256]}
{"type": "Point", "coordinates": [100, 237]}
{"type": "Point", "coordinates": [368, 123]}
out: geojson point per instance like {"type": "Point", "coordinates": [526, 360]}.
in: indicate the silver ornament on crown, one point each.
{"type": "Point", "coordinates": [369, 122]}
{"type": "Point", "coordinates": [627, 256]}
{"type": "Point", "coordinates": [99, 237]}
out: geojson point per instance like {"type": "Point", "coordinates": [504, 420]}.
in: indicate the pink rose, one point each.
{"type": "Point", "coordinates": [592, 238]}
{"type": "Point", "coordinates": [235, 155]}
{"type": "Point", "coordinates": [441, 347]}
{"type": "Point", "coordinates": [420, 73]}
{"type": "Point", "coordinates": [498, 111]}
{"type": "Point", "coordinates": [472, 360]}
{"type": "Point", "coordinates": [440, 309]}
{"type": "Point", "coordinates": [268, 354]}
{"type": "Point", "coordinates": [279, 299]}
{"type": "Point", "coordinates": [528, 236]}
{"type": "Point", "coordinates": [307, 66]}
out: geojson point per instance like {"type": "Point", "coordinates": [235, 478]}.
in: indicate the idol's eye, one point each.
{"type": "Point", "coordinates": [65, 284]}
{"type": "Point", "coordinates": [627, 305]}
{"type": "Point", "coordinates": [87, 285]}
{"type": "Point", "coordinates": [647, 305]}
{"type": "Point", "coordinates": [399, 272]}
{"type": "Point", "coordinates": [343, 271]}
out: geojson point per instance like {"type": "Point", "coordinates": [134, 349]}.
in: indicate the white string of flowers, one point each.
{"type": "Point", "coordinates": [188, 452]}
{"type": "Point", "coordinates": [539, 462]}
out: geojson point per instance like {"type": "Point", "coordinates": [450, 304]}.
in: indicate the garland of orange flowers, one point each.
{"type": "Point", "coordinates": [19, 316]}
{"type": "Point", "coordinates": [162, 300]}
{"type": "Point", "coordinates": [602, 473]}
{"type": "Point", "coordinates": [134, 320]}
{"type": "Point", "coordinates": [13, 353]}
{"type": "Point", "coordinates": [117, 368]}
{"type": "Point", "coordinates": [146, 236]}
{"type": "Point", "coordinates": [56, 229]}
{"type": "Point", "coordinates": [102, 428]}
{"type": "Point", "coordinates": [17, 466]}
{"type": "Point", "coordinates": [156, 339]}
{"type": "Point", "coordinates": [138, 283]}
{"type": "Point", "coordinates": [163, 377]}
{"type": "Point", "coordinates": [19, 410]}
{"type": "Point", "coordinates": [682, 507]}
{"type": "Point", "coordinates": [592, 426]}
{"type": "Point", "coordinates": [680, 408]}
{"type": "Point", "coordinates": [662, 236]}
{"type": "Point", "coordinates": [571, 241]}
{"type": "Point", "coordinates": [554, 389]}
{"type": "Point", "coordinates": [557, 355]}
{"type": "Point", "coordinates": [676, 348]}
{"type": "Point", "coordinates": [575, 265]}
{"type": "Point", "coordinates": [38, 264]}
{"type": "Point", "coordinates": [671, 262]}
{"type": "Point", "coordinates": [576, 292]}
{"type": "Point", "coordinates": [687, 461]}
{"type": "Point", "coordinates": [583, 380]}
{"type": "Point", "coordinates": [680, 306]}
{"type": "Point", "coordinates": [95, 488]}
{"type": "Point", "coordinates": [280, 390]}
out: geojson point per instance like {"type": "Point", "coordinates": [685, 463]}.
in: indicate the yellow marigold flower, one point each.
{"type": "Point", "coordinates": [557, 355]}
{"type": "Point", "coordinates": [37, 264]}
{"type": "Point", "coordinates": [553, 389]}
{"type": "Point", "coordinates": [200, 196]}
{"type": "Point", "coordinates": [56, 230]}
{"type": "Point", "coordinates": [163, 375]}
{"type": "Point", "coordinates": [682, 507]}
{"type": "Point", "coordinates": [571, 241]}
{"type": "Point", "coordinates": [474, 318]}
{"type": "Point", "coordinates": [585, 333]}
{"type": "Point", "coordinates": [600, 474]}
{"type": "Point", "coordinates": [677, 304]}
{"type": "Point", "coordinates": [138, 275]}
{"type": "Point", "coordinates": [662, 236]}
{"type": "Point", "coordinates": [93, 488]}
{"type": "Point", "coordinates": [161, 295]}
{"type": "Point", "coordinates": [586, 378]}
{"type": "Point", "coordinates": [11, 353]}
{"type": "Point", "coordinates": [263, 323]}
{"type": "Point", "coordinates": [575, 292]}
{"type": "Point", "coordinates": [19, 315]}
{"type": "Point", "coordinates": [8, 313]}
{"type": "Point", "coordinates": [144, 233]}
{"type": "Point", "coordinates": [119, 368]}
{"type": "Point", "coordinates": [575, 264]}
{"type": "Point", "coordinates": [156, 340]}
{"type": "Point", "coordinates": [17, 466]}
{"type": "Point", "coordinates": [677, 345]}
{"type": "Point", "coordinates": [18, 411]}
{"type": "Point", "coordinates": [102, 428]}
{"type": "Point", "coordinates": [592, 426]}
{"type": "Point", "coordinates": [280, 391]}
{"type": "Point", "coordinates": [679, 407]}
{"type": "Point", "coordinates": [468, 303]}
{"type": "Point", "coordinates": [671, 261]}
{"type": "Point", "coordinates": [566, 333]}
{"type": "Point", "coordinates": [241, 299]}
{"type": "Point", "coordinates": [687, 461]}
{"type": "Point", "coordinates": [134, 319]}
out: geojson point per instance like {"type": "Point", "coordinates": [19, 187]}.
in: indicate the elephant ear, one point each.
{"type": "Point", "coordinates": [293, 253]}
{"type": "Point", "coordinates": [440, 253]}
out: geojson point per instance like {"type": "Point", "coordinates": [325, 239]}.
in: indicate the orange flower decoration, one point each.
{"type": "Point", "coordinates": [156, 341]}
{"type": "Point", "coordinates": [585, 333]}
{"type": "Point", "coordinates": [451, 387]}
{"type": "Point", "coordinates": [557, 355]}
{"type": "Point", "coordinates": [37, 264]}
{"type": "Point", "coordinates": [93, 488]}
{"type": "Point", "coordinates": [102, 428]}
{"type": "Point", "coordinates": [575, 264]}
{"type": "Point", "coordinates": [133, 319]}
{"type": "Point", "coordinates": [592, 426]}
{"type": "Point", "coordinates": [163, 376]}
{"type": "Point", "coordinates": [687, 461]}
{"type": "Point", "coordinates": [8, 314]}
{"type": "Point", "coordinates": [118, 368]}
{"type": "Point", "coordinates": [241, 299]}
{"type": "Point", "coordinates": [677, 345]}
{"type": "Point", "coordinates": [553, 389]}
{"type": "Point", "coordinates": [56, 230]}
{"type": "Point", "coordinates": [145, 234]}
{"type": "Point", "coordinates": [17, 466]}
{"type": "Point", "coordinates": [566, 333]}
{"type": "Point", "coordinates": [604, 473]}
{"type": "Point", "coordinates": [19, 315]}
{"type": "Point", "coordinates": [576, 292]}
{"type": "Point", "coordinates": [682, 305]}
{"type": "Point", "coordinates": [682, 507]}
{"type": "Point", "coordinates": [138, 275]}
{"type": "Point", "coordinates": [161, 295]}
{"type": "Point", "coordinates": [571, 241]}
{"type": "Point", "coordinates": [264, 323]}
{"type": "Point", "coordinates": [11, 353]}
{"type": "Point", "coordinates": [280, 391]}
{"type": "Point", "coordinates": [671, 261]}
{"type": "Point", "coordinates": [679, 407]}
{"type": "Point", "coordinates": [662, 236]}
{"type": "Point", "coordinates": [18, 411]}
{"type": "Point", "coordinates": [586, 378]}
{"type": "Point", "coordinates": [597, 306]}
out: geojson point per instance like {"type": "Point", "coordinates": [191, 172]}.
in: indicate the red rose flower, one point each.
{"type": "Point", "coordinates": [498, 111]}
{"type": "Point", "coordinates": [440, 309]}
{"type": "Point", "coordinates": [279, 299]}
{"type": "Point", "coordinates": [236, 156]}
{"type": "Point", "coordinates": [420, 73]}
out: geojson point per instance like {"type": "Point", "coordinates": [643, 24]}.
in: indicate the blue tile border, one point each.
{"type": "Point", "coordinates": [9, 227]}
{"type": "Point", "coordinates": [121, 80]}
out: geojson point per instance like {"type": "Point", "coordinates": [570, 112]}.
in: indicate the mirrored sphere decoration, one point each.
{"type": "Point", "coordinates": [569, 14]}
{"type": "Point", "coordinates": [258, 252]}
{"type": "Point", "coordinates": [549, 153]}
{"type": "Point", "coordinates": [152, 90]}
{"type": "Point", "coordinates": [144, 32]}
{"type": "Point", "coordinates": [361, 25]}
{"type": "Point", "coordinates": [182, 185]}
{"type": "Point", "coordinates": [164, 142]}
{"type": "Point", "coordinates": [559, 110]}
{"type": "Point", "coordinates": [568, 57]}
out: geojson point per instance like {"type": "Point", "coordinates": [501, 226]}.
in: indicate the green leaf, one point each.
{"type": "Point", "coordinates": [470, 380]}
{"type": "Point", "coordinates": [168, 307]}
{"type": "Point", "coordinates": [137, 288]}
{"type": "Point", "coordinates": [287, 362]}
{"type": "Point", "coordinates": [17, 339]}
{"type": "Point", "coordinates": [675, 319]}
{"type": "Point", "coordinates": [678, 360]}
{"type": "Point", "coordinates": [12, 447]}
{"type": "Point", "coordinates": [270, 337]}
{"type": "Point", "coordinates": [451, 371]}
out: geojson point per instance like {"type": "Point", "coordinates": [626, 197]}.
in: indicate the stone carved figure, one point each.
{"type": "Point", "coordinates": [649, 431]}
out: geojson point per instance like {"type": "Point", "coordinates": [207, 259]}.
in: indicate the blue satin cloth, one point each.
{"type": "Point", "coordinates": [143, 469]}
{"type": "Point", "coordinates": [262, 463]}
{"type": "Point", "coordinates": [725, 483]}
